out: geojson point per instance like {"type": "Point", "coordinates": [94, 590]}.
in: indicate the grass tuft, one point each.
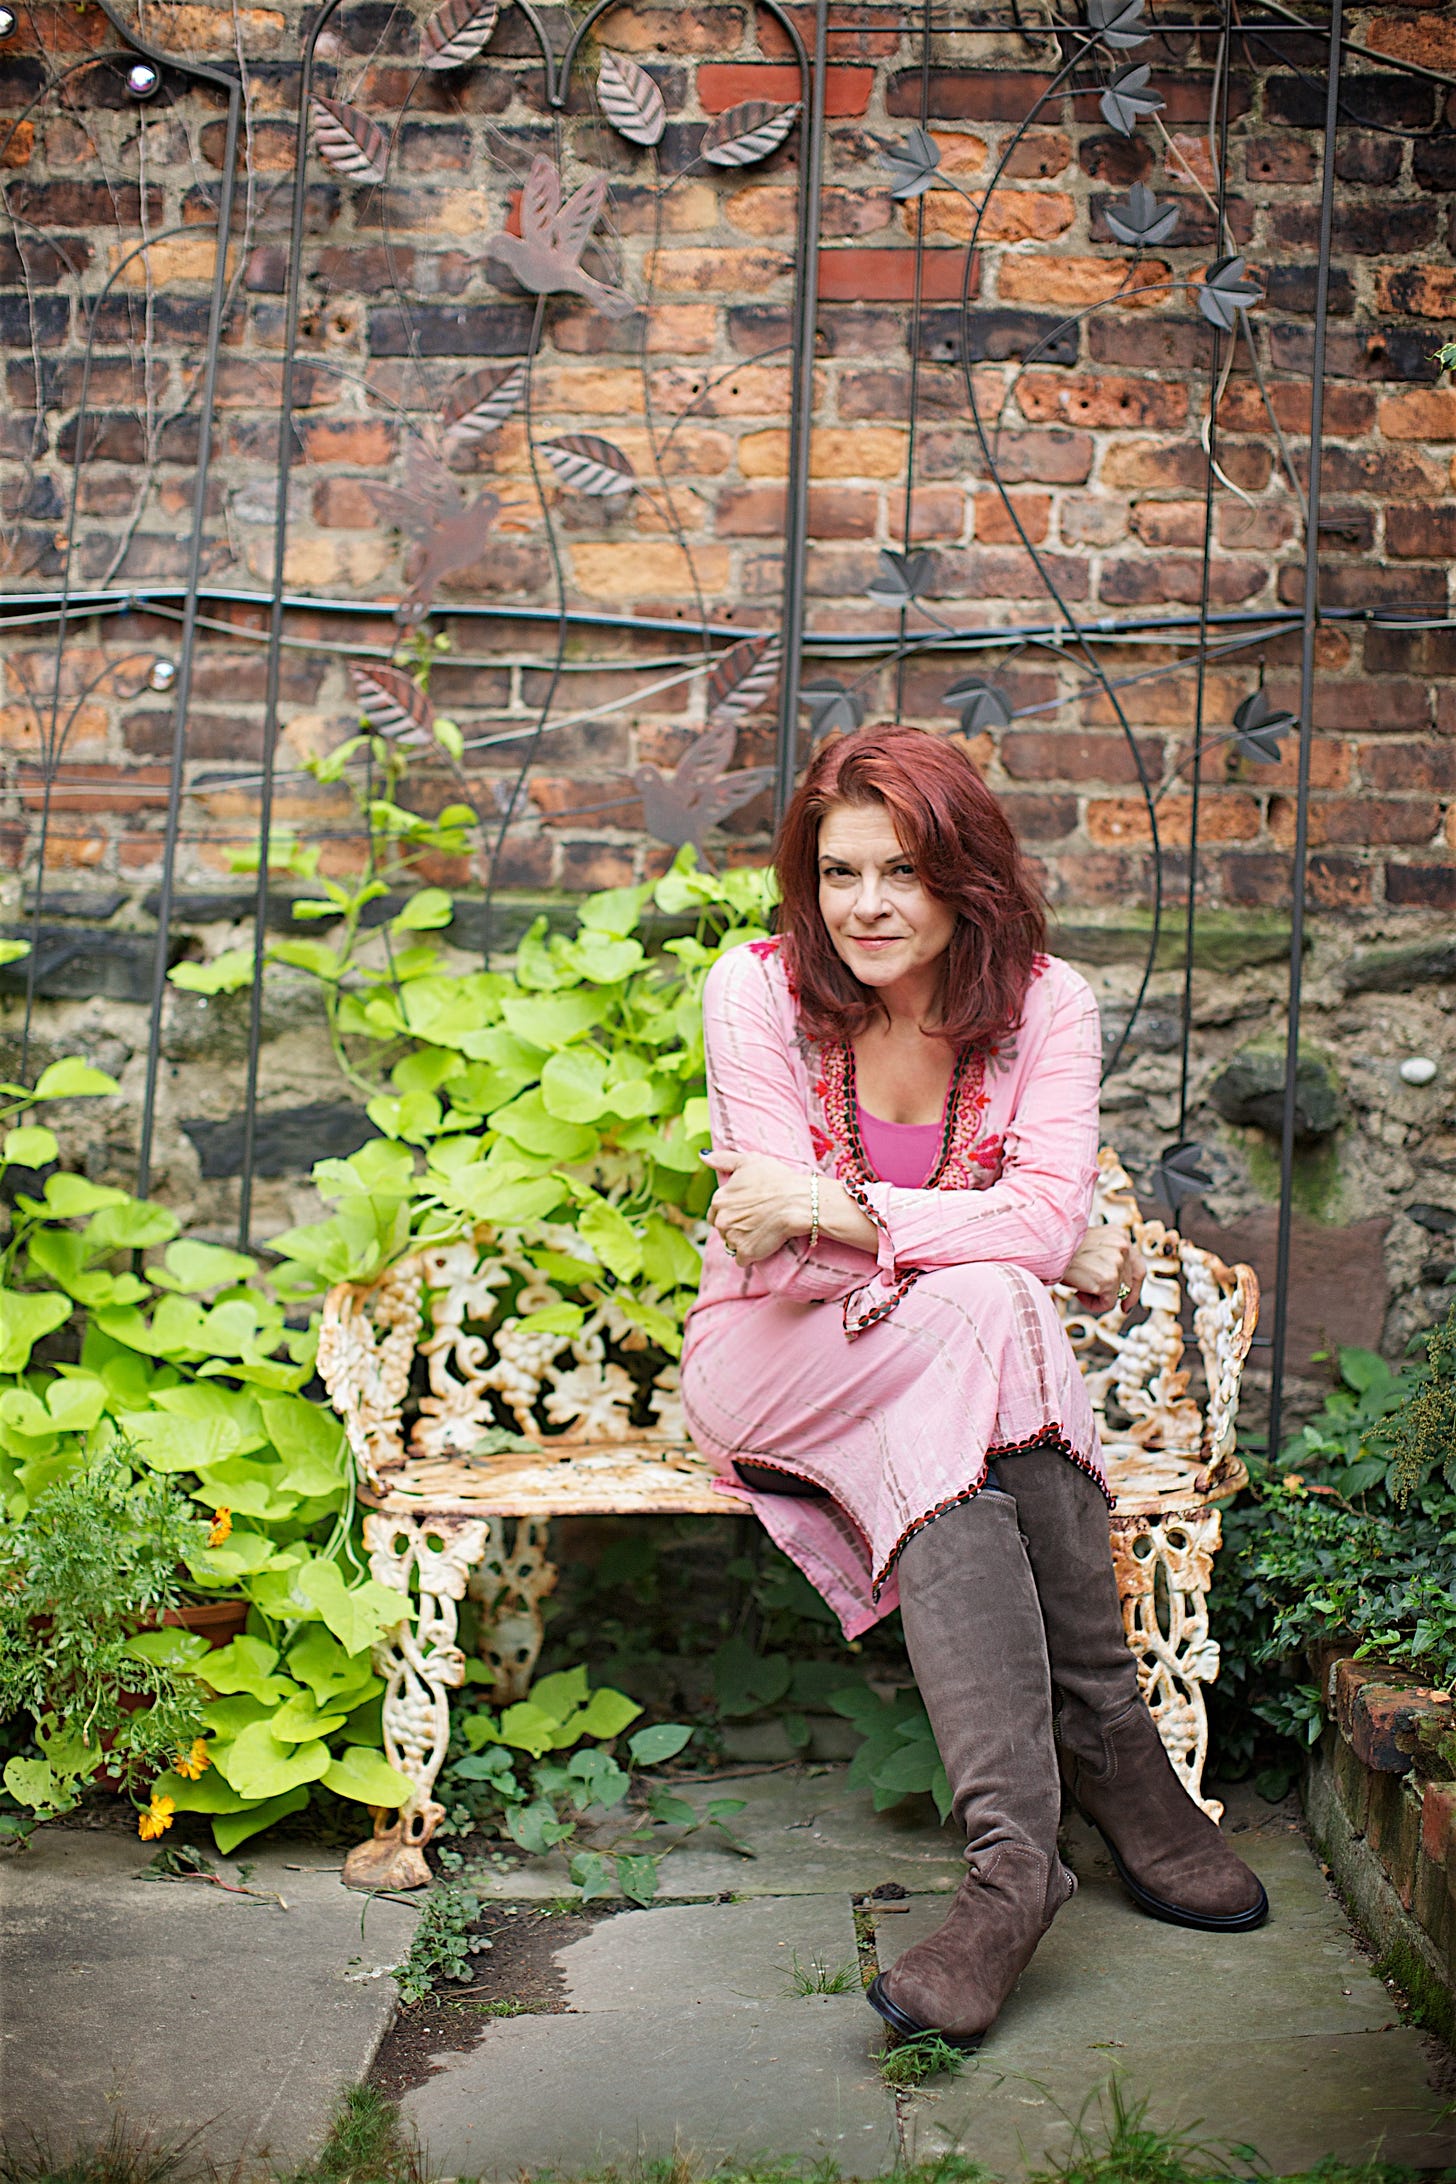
{"type": "Point", "coordinates": [125, 2156]}
{"type": "Point", "coordinates": [816, 1977]}
{"type": "Point", "coordinates": [905, 2064]}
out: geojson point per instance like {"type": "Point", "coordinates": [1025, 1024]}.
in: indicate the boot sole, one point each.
{"type": "Point", "coordinates": [898, 2021]}
{"type": "Point", "coordinates": [1205, 1922]}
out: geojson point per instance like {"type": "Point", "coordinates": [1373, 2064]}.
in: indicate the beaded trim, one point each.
{"type": "Point", "coordinates": [1049, 1437]}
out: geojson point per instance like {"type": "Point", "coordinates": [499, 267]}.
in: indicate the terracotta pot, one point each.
{"type": "Point", "coordinates": [218, 1621]}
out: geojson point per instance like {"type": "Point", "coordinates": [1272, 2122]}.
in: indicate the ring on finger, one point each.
{"type": "Point", "coordinates": [1124, 1291]}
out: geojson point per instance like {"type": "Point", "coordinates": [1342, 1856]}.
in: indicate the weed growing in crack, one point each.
{"type": "Point", "coordinates": [908, 2063]}
{"type": "Point", "coordinates": [817, 1977]}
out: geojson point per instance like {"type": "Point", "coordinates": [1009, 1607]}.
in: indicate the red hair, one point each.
{"type": "Point", "coordinates": [964, 852]}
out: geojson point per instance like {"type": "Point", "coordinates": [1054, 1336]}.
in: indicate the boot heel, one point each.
{"type": "Point", "coordinates": [906, 2027]}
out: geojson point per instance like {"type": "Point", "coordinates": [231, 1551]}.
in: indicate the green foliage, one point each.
{"type": "Point", "coordinates": [515, 1779]}
{"type": "Point", "coordinates": [818, 1976]}
{"type": "Point", "coordinates": [443, 1943]}
{"type": "Point", "coordinates": [1353, 1536]}
{"type": "Point", "coordinates": [82, 1577]}
{"type": "Point", "coordinates": [906, 2064]}
{"type": "Point", "coordinates": [898, 1757]}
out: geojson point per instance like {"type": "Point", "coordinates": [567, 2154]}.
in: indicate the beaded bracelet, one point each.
{"type": "Point", "coordinates": [813, 1210]}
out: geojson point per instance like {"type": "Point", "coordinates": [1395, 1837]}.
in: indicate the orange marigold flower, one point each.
{"type": "Point", "coordinates": [1293, 1481]}
{"type": "Point", "coordinates": [156, 1819]}
{"type": "Point", "coordinates": [222, 1524]}
{"type": "Point", "coordinates": [194, 1763]}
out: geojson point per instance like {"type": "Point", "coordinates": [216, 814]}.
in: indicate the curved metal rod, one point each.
{"type": "Point", "coordinates": [275, 612]}
{"type": "Point", "coordinates": [231, 83]}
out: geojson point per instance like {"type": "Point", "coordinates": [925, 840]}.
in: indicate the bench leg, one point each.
{"type": "Point", "coordinates": [420, 1663]}
{"type": "Point", "coordinates": [510, 1583]}
{"type": "Point", "coordinates": [1164, 1569]}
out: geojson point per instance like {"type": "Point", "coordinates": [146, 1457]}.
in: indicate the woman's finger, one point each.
{"type": "Point", "coordinates": [724, 1163]}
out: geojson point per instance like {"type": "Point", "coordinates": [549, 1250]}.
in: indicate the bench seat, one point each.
{"type": "Point", "coordinates": [449, 1509]}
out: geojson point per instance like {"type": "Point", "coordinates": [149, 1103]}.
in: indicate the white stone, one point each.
{"type": "Point", "coordinates": [1418, 1069]}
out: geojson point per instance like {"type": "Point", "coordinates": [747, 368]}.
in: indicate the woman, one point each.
{"type": "Point", "coordinates": [903, 1092]}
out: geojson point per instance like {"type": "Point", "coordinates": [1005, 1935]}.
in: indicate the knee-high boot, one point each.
{"type": "Point", "coordinates": [1172, 1858]}
{"type": "Point", "coordinates": [978, 1649]}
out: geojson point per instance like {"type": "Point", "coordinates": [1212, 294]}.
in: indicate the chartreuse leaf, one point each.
{"type": "Point", "coordinates": [425, 911]}
{"type": "Point", "coordinates": [35, 1784]}
{"type": "Point", "coordinates": [224, 974]}
{"type": "Point", "coordinates": [70, 1197]}
{"type": "Point", "coordinates": [169, 1648]}
{"type": "Point", "coordinates": [242, 1554]}
{"type": "Point", "coordinates": [318, 1660]}
{"type": "Point", "coordinates": [193, 1267]}
{"type": "Point", "coordinates": [300, 1720]}
{"type": "Point", "coordinates": [247, 1665]}
{"type": "Point", "coordinates": [179, 1444]}
{"type": "Point", "coordinates": [209, 1793]}
{"type": "Point", "coordinates": [257, 1764]}
{"type": "Point", "coordinates": [527, 1122]}
{"type": "Point", "coordinates": [310, 1441]}
{"type": "Point", "coordinates": [553, 1020]}
{"type": "Point", "coordinates": [134, 1225]}
{"type": "Point", "coordinates": [605, 961]}
{"type": "Point", "coordinates": [231, 1830]}
{"type": "Point", "coordinates": [26, 1315]}
{"type": "Point", "coordinates": [367, 1776]}
{"type": "Point", "coordinates": [561, 1694]}
{"type": "Point", "coordinates": [663, 1329]}
{"type": "Point", "coordinates": [612, 1237]}
{"type": "Point", "coordinates": [249, 1489]}
{"type": "Point", "coordinates": [528, 1728]}
{"type": "Point", "coordinates": [357, 1618]}
{"type": "Point", "coordinates": [574, 1085]}
{"type": "Point", "coordinates": [485, 1193]}
{"type": "Point", "coordinates": [606, 1714]}
{"type": "Point", "coordinates": [72, 1079]}
{"type": "Point", "coordinates": [30, 1145]}
{"type": "Point", "coordinates": [669, 1258]}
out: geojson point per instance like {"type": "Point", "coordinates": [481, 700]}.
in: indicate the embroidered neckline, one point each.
{"type": "Point", "coordinates": [850, 1097]}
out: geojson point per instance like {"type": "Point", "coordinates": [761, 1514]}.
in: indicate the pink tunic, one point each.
{"type": "Point", "coordinates": [887, 1379]}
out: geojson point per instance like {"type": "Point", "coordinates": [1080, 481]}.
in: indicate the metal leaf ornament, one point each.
{"type": "Point", "coordinates": [545, 258]}
{"type": "Point", "coordinates": [741, 679]}
{"type": "Point", "coordinates": [700, 792]}
{"type": "Point", "coordinates": [1258, 725]}
{"type": "Point", "coordinates": [392, 703]}
{"type": "Point", "coordinates": [1225, 291]}
{"type": "Point", "coordinates": [1178, 1176]}
{"type": "Point", "coordinates": [1127, 98]}
{"type": "Point", "coordinates": [832, 709]}
{"type": "Point", "coordinates": [457, 33]}
{"type": "Point", "coordinates": [1139, 220]}
{"type": "Point", "coordinates": [1114, 23]}
{"type": "Point", "coordinates": [590, 465]}
{"type": "Point", "coordinates": [747, 133]}
{"type": "Point", "coordinates": [447, 527]}
{"type": "Point", "coordinates": [902, 577]}
{"type": "Point", "coordinates": [480, 402]}
{"type": "Point", "coordinates": [631, 100]}
{"type": "Point", "coordinates": [979, 703]}
{"type": "Point", "coordinates": [913, 165]}
{"type": "Point", "coordinates": [352, 144]}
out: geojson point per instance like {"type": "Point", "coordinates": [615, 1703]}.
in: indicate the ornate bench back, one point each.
{"type": "Point", "coordinates": [438, 1305]}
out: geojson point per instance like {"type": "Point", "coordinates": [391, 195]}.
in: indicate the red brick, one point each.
{"type": "Point", "coordinates": [1409, 766]}
{"type": "Point", "coordinates": [1378, 1708]}
{"type": "Point", "coordinates": [1424, 530]}
{"type": "Point", "coordinates": [1079, 399]}
{"type": "Point", "coordinates": [1425, 887]}
{"type": "Point", "coordinates": [1042, 458]}
{"type": "Point", "coordinates": [1051, 754]}
{"type": "Point", "coordinates": [888, 276]}
{"type": "Point", "coordinates": [1366, 823]}
{"type": "Point", "coordinates": [725, 84]}
{"type": "Point", "coordinates": [1438, 1822]}
{"type": "Point", "coordinates": [1039, 818]}
{"type": "Point", "coordinates": [994, 526]}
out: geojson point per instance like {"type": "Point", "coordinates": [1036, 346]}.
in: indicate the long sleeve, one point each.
{"type": "Point", "coordinates": [1036, 1214]}
{"type": "Point", "coordinates": [757, 1103]}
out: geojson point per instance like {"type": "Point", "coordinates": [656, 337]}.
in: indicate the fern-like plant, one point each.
{"type": "Point", "coordinates": [1423, 1430]}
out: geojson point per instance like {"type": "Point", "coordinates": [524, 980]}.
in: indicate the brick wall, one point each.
{"type": "Point", "coordinates": [1096, 435]}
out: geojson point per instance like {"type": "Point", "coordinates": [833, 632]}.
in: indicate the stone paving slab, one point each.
{"type": "Point", "coordinates": [793, 2079]}
{"type": "Point", "coordinates": [179, 2006]}
{"type": "Point", "coordinates": [810, 1837]}
{"type": "Point", "coordinates": [1283, 2039]}
{"type": "Point", "coordinates": [709, 1956]}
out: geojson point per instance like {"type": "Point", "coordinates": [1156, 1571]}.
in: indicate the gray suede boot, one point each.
{"type": "Point", "coordinates": [1171, 1857]}
{"type": "Point", "coordinates": [978, 1649]}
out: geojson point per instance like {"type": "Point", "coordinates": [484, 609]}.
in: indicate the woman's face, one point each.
{"type": "Point", "coordinates": [881, 920]}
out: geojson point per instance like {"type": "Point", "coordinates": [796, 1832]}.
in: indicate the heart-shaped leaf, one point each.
{"type": "Point", "coordinates": [1225, 291]}
{"type": "Point", "coordinates": [479, 402]}
{"type": "Point", "coordinates": [902, 577]}
{"type": "Point", "coordinates": [1178, 1175]}
{"type": "Point", "coordinates": [630, 100]}
{"type": "Point", "coordinates": [391, 702]}
{"type": "Point", "coordinates": [912, 166]}
{"type": "Point", "coordinates": [979, 703]}
{"type": "Point", "coordinates": [1127, 98]}
{"type": "Point", "coordinates": [1258, 725]}
{"type": "Point", "coordinates": [741, 679]}
{"type": "Point", "coordinates": [352, 144]}
{"type": "Point", "coordinates": [457, 32]}
{"type": "Point", "coordinates": [1139, 220]}
{"type": "Point", "coordinates": [832, 709]}
{"type": "Point", "coordinates": [1114, 22]}
{"type": "Point", "coordinates": [590, 465]}
{"type": "Point", "coordinates": [747, 133]}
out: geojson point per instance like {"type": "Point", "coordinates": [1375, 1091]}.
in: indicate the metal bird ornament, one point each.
{"type": "Point", "coordinates": [447, 527]}
{"type": "Point", "coordinates": [700, 792]}
{"type": "Point", "coordinates": [546, 256]}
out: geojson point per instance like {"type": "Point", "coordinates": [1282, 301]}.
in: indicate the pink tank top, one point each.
{"type": "Point", "coordinates": [902, 1153]}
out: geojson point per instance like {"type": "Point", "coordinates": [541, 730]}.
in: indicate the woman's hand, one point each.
{"type": "Point", "coordinates": [1105, 1265]}
{"type": "Point", "coordinates": [758, 1205]}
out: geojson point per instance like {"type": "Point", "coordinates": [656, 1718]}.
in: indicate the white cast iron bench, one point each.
{"type": "Point", "coordinates": [448, 1509]}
